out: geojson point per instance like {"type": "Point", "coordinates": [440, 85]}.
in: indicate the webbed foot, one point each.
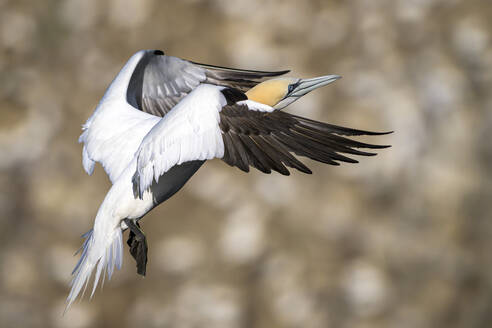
{"type": "Point", "coordinates": [138, 245]}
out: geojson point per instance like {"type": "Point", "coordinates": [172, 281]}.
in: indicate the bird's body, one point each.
{"type": "Point", "coordinates": [205, 114]}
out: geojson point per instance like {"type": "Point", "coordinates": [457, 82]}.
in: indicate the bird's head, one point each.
{"type": "Point", "coordinates": [283, 91]}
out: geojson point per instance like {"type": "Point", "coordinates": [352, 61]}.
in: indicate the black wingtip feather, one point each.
{"type": "Point", "coordinates": [272, 141]}
{"type": "Point", "coordinates": [282, 72]}
{"type": "Point", "coordinates": [246, 72]}
{"type": "Point", "coordinates": [375, 133]}
{"type": "Point", "coordinates": [336, 129]}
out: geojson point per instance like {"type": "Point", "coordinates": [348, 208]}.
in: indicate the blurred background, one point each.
{"type": "Point", "coordinates": [402, 239]}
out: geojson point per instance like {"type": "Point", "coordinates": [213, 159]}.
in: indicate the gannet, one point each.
{"type": "Point", "coordinates": [162, 117]}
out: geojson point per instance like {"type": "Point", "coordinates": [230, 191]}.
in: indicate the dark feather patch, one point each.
{"type": "Point", "coordinates": [267, 141]}
{"type": "Point", "coordinates": [233, 95]}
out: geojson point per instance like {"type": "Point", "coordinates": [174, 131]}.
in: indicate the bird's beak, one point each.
{"type": "Point", "coordinates": [304, 86]}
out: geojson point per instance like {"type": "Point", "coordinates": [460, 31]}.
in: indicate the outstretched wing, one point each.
{"type": "Point", "coordinates": [162, 81]}
{"type": "Point", "coordinates": [269, 141]}
{"type": "Point", "coordinates": [210, 124]}
{"type": "Point", "coordinates": [113, 141]}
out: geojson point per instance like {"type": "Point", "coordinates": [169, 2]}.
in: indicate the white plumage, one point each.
{"type": "Point", "coordinates": [113, 140]}
{"type": "Point", "coordinates": [190, 131]}
{"type": "Point", "coordinates": [114, 132]}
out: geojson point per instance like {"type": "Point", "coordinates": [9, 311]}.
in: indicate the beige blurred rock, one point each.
{"type": "Point", "coordinates": [28, 140]}
{"type": "Point", "coordinates": [296, 308]}
{"type": "Point", "coordinates": [129, 14]}
{"type": "Point", "coordinates": [179, 254]}
{"type": "Point", "coordinates": [282, 272]}
{"type": "Point", "coordinates": [365, 289]}
{"type": "Point", "coordinates": [214, 186]}
{"type": "Point", "coordinates": [80, 15]}
{"type": "Point", "coordinates": [208, 304]}
{"type": "Point", "coordinates": [330, 27]}
{"type": "Point", "coordinates": [146, 312]}
{"type": "Point", "coordinates": [17, 313]}
{"type": "Point", "coordinates": [47, 191]}
{"type": "Point", "coordinates": [242, 238]}
{"type": "Point", "coordinates": [441, 87]}
{"type": "Point", "coordinates": [59, 262]}
{"type": "Point", "coordinates": [413, 10]}
{"type": "Point", "coordinates": [471, 38]}
{"type": "Point", "coordinates": [334, 221]}
{"type": "Point", "coordinates": [17, 31]}
{"type": "Point", "coordinates": [253, 48]}
{"type": "Point", "coordinates": [79, 316]}
{"type": "Point", "coordinates": [276, 190]}
{"type": "Point", "coordinates": [403, 114]}
{"type": "Point", "coordinates": [19, 271]}
{"type": "Point", "coordinates": [96, 71]}
{"type": "Point", "coordinates": [257, 13]}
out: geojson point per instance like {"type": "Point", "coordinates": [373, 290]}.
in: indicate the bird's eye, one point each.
{"type": "Point", "coordinates": [291, 88]}
{"type": "Point", "coordinates": [158, 52]}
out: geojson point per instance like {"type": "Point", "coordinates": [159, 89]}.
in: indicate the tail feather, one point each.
{"type": "Point", "coordinates": [105, 252]}
{"type": "Point", "coordinates": [83, 248]}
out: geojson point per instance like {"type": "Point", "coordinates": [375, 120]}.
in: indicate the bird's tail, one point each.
{"type": "Point", "coordinates": [102, 248]}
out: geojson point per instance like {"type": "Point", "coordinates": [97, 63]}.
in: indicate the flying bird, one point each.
{"type": "Point", "coordinates": [162, 117]}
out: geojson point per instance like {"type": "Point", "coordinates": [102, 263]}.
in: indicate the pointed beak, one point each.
{"type": "Point", "coordinates": [304, 86]}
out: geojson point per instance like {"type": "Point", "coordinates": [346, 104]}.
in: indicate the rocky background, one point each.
{"type": "Point", "coordinates": [400, 240]}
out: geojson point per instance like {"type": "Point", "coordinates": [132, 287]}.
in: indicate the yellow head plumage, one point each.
{"type": "Point", "coordinates": [270, 92]}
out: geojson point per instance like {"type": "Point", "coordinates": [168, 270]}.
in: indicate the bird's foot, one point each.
{"type": "Point", "coordinates": [138, 245]}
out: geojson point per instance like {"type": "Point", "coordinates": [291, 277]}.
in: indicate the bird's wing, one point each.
{"type": "Point", "coordinates": [113, 142]}
{"type": "Point", "coordinates": [189, 132]}
{"type": "Point", "coordinates": [242, 133]}
{"type": "Point", "coordinates": [269, 140]}
{"type": "Point", "coordinates": [167, 79]}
